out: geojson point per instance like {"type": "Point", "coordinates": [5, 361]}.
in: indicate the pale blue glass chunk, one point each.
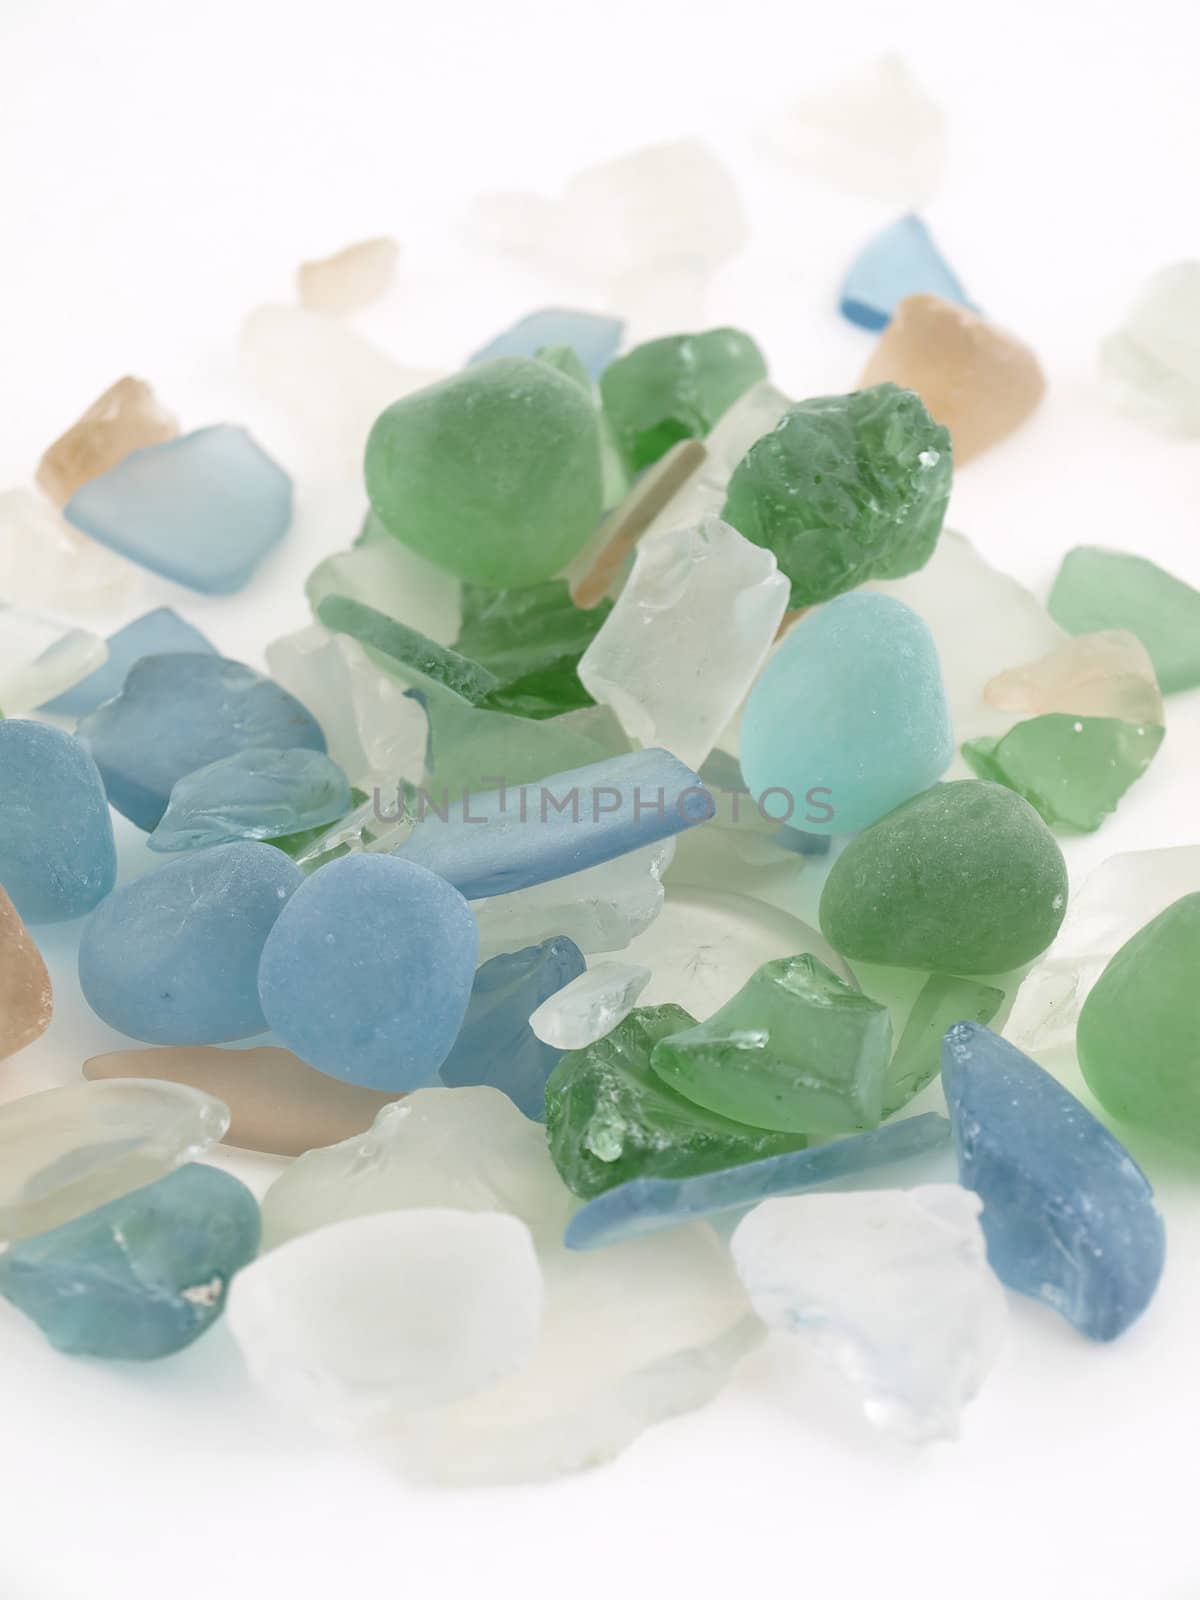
{"type": "Point", "coordinates": [159, 633]}
{"type": "Point", "coordinates": [57, 857]}
{"type": "Point", "coordinates": [178, 713]}
{"type": "Point", "coordinates": [593, 337]}
{"type": "Point", "coordinates": [900, 261]}
{"type": "Point", "coordinates": [141, 1276]}
{"type": "Point", "coordinates": [512, 838]}
{"type": "Point", "coordinates": [647, 1204]}
{"type": "Point", "coordinates": [254, 794]}
{"type": "Point", "coordinates": [1068, 1214]}
{"type": "Point", "coordinates": [496, 1045]}
{"type": "Point", "coordinates": [172, 957]}
{"type": "Point", "coordinates": [203, 509]}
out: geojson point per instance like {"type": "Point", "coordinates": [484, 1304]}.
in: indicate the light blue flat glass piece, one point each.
{"type": "Point", "coordinates": [512, 838]}
{"type": "Point", "coordinates": [178, 713]}
{"type": "Point", "coordinates": [900, 261]}
{"type": "Point", "coordinates": [496, 1045]}
{"type": "Point", "coordinates": [593, 337]}
{"type": "Point", "coordinates": [647, 1204]}
{"type": "Point", "coordinates": [203, 509]}
{"type": "Point", "coordinates": [158, 633]}
{"type": "Point", "coordinates": [1068, 1214]}
{"type": "Point", "coordinates": [142, 1276]}
{"type": "Point", "coordinates": [255, 794]}
{"type": "Point", "coordinates": [57, 857]}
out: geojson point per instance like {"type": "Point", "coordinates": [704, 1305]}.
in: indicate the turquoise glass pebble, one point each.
{"type": "Point", "coordinates": [368, 972]}
{"type": "Point", "coordinates": [203, 509]}
{"type": "Point", "coordinates": [899, 261]}
{"type": "Point", "coordinates": [57, 857]}
{"type": "Point", "coordinates": [592, 336]}
{"type": "Point", "coordinates": [142, 1276]}
{"type": "Point", "coordinates": [172, 957]}
{"type": "Point", "coordinates": [255, 794]}
{"type": "Point", "coordinates": [849, 717]}
{"type": "Point", "coordinates": [158, 633]}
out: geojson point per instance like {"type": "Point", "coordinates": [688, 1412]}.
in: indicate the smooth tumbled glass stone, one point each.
{"type": "Point", "coordinates": [142, 1276]}
{"type": "Point", "coordinates": [1152, 362]}
{"type": "Point", "coordinates": [845, 488]}
{"type": "Point", "coordinates": [1139, 1029]}
{"type": "Point", "coordinates": [850, 710]}
{"type": "Point", "coordinates": [40, 658]}
{"type": "Point", "coordinates": [493, 474]}
{"type": "Point", "coordinates": [368, 972]}
{"type": "Point", "coordinates": [964, 878]}
{"type": "Point", "coordinates": [590, 1006]}
{"type": "Point", "coordinates": [1098, 588]}
{"type": "Point", "coordinates": [254, 794]}
{"type": "Point", "coordinates": [591, 335]}
{"type": "Point", "coordinates": [1069, 1217]}
{"type": "Point", "coordinates": [901, 260]}
{"type": "Point", "coordinates": [204, 509]}
{"type": "Point", "coordinates": [407, 652]}
{"type": "Point", "coordinates": [66, 1151]}
{"type": "Point", "coordinates": [531, 640]}
{"type": "Point", "coordinates": [44, 561]}
{"type": "Point", "coordinates": [26, 998]}
{"type": "Point", "coordinates": [160, 632]}
{"type": "Point", "coordinates": [349, 280]}
{"type": "Point", "coordinates": [125, 418]}
{"type": "Point", "coordinates": [942, 1002]}
{"type": "Point", "coordinates": [172, 958]}
{"type": "Point", "coordinates": [180, 712]}
{"type": "Point", "coordinates": [57, 857]}
{"type": "Point", "coordinates": [1105, 674]}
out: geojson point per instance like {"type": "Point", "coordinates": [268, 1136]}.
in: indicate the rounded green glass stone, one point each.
{"type": "Point", "coordinates": [493, 474]}
{"type": "Point", "coordinates": [964, 878]}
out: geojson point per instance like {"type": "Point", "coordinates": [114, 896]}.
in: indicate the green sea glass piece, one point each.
{"type": "Point", "coordinates": [609, 1118]}
{"type": "Point", "coordinates": [942, 1002]}
{"type": "Point", "coordinates": [473, 749]}
{"type": "Point", "coordinates": [531, 641]}
{"type": "Point", "coordinates": [1098, 589]}
{"type": "Point", "coordinates": [1072, 770]}
{"type": "Point", "coordinates": [845, 488]}
{"type": "Point", "coordinates": [405, 651]}
{"type": "Point", "coordinates": [796, 1049]}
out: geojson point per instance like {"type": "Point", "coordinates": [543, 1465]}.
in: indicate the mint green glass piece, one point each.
{"type": "Point", "coordinates": [404, 651]}
{"type": "Point", "coordinates": [531, 640]}
{"type": "Point", "coordinates": [796, 1049]}
{"type": "Point", "coordinates": [845, 488]}
{"type": "Point", "coordinates": [918, 1058]}
{"type": "Point", "coordinates": [1097, 589]}
{"type": "Point", "coordinates": [1072, 770]}
{"type": "Point", "coordinates": [676, 388]}
{"type": "Point", "coordinates": [471, 749]}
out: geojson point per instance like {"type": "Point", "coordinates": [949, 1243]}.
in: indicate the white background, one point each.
{"type": "Point", "coordinates": [162, 168]}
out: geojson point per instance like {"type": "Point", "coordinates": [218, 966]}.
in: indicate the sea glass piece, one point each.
{"type": "Point", "coordinates": [26, 997]}
{"type": "Point", "coordinates": [591, 336]}
{"type": "Point", "coordinates": [845, 488]}
{"type": "Point", "coordinates": [253, 794]}
{"type": "Point", "coordinates": [142, 1276]}
{"type": "Point", "coordinates": [160, 632]}
{"type": "Point", "coordinates": [125, 418]}
{"type": "Point", "coordinates": [590, 1006]}
{"type": "Point", "coordinates": [1069, 1217]}
{"type": "Point", "coordinates": [646, 1205]}
{"type": "Point", "coordinates": [172, 957]}
{"type": "Point", "coordinates": [45, 562]}
{"type": "Point", "coordinates": [965, 878]}
{"type": "Point", "coordinates": [899, 261]}
{"type": "Point", "coordinates": [493, 474]}
{"type": "Point", "coordinates": [407, 652]}
{"type": "Point", "coordinates": [599, 564]}
{"type": "Point", "coordinates": [204, 509]}
{"type": "Point", "coordinates": [39, 659]}
{"type": "Point", "coordinates": [893, 1285]}
{"type": "Point", "coordinates": [368, 972]}
{"type": "Point", "coordinates": [859, 689]}
{"type": "Point", "coordinates": [67, 1151]}
{"type": "Point", "coordinates": [942, 1002]}
{"type": "Point", "coordinates": [977, 380]}
{"type": "Point", "coordinates": [531, 641]}
{"type": "Point", "coordinates": [381, 572]}
{"type": "Point", "coordinates": [1098, 588]}
{"type": "Point", "coordinates": [57, 857]}
{"type": "Point", "coordinates": [179, 712]}
{"type": "Point", "coordinates": [687, 637]}
{"type": "Point", "coordinates": [496, 1044]}
{"type": "Point", "coordinates": [1105, 674]}
{"type": "Point", "coordinates": [349, 280]}
{"type": "Point", "coordinates": [1152, 362]}
{"type": "Point", "coordinates": [1072, 770]}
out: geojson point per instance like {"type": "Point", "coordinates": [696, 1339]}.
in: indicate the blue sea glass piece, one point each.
{"type": "Point", "coordinates": [57, 857]}
{"type": "Point", "coordinates": [141, 1276]}
{"type": "Point", "coordinates": [172, 957]}
{"type": "Point", "coordinates": [367, 974]}
{"type": "Point", "coordinates": [900, 261]}
{"type": "Point", "coordinates": [178, 713]}
{"type": "Point", "coordinates": [497, 1046]}
{"type": "Point", "coordinates": [645, 1205]}
{"type": "Point", "coordinates": [159, 633]}
{"type": "Point", "coordinates": [255, 794]}
{"type": "Point", "coordinates": [512, 838]}
{"type": "Point", "coordinates": [593, 337]}
{"type": "Point", "coordinates": [203, 509]}
{"type": "Point", "coordinates": [1068, 1214]}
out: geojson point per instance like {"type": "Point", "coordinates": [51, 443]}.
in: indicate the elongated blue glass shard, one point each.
{"type": "Point", "coordinates": [511, 838]}
{"type": "Point", "coordinates": [900, 261]}
{"type": "Point", "coordinates": [647, 1204]}
{"type": "Point", "coordinates": [1068, 1214]}
{"type": "Point", "coordinates": [496, 1046]}
{"type": "Point", "coordinates": [203, 509]}
{"type": "Point", "coordinates": [142, 1276]}
{"type": "Point", "coordinates": [254, 794]}
{"type": "Point", "coordinates": [593, 336]}
{"type": "Point", "coordinates": [158, 633]}
{"type": "Point", "coordinates": [178, 713]}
